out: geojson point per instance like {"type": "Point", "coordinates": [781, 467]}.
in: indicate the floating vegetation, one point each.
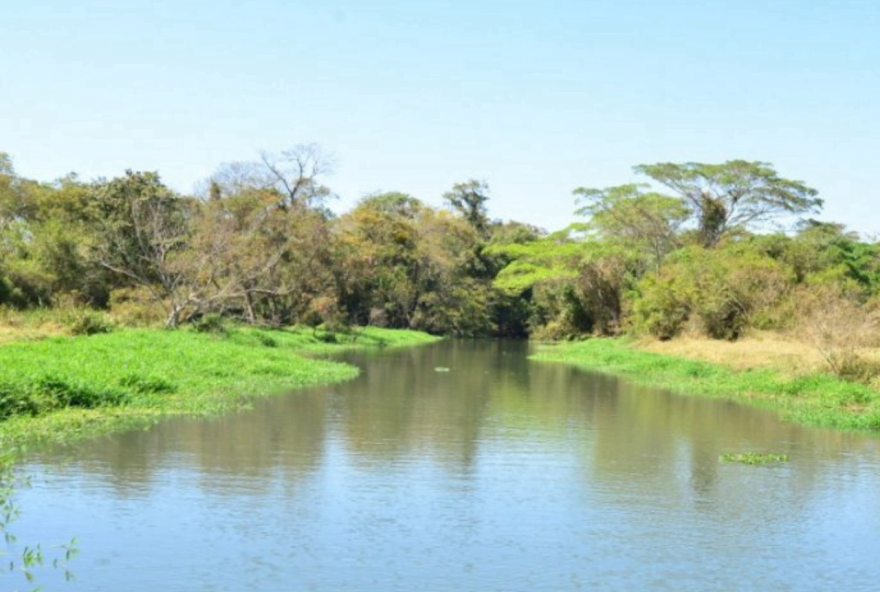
{"type": "Point", "coordinates": [753, 458]}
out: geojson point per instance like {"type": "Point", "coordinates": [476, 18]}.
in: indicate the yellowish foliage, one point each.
{"type": "Point", "coordinates": [757, 350]}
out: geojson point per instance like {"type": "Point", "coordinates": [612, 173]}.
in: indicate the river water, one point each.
{"type": "Point", "coordinates": [463, 466]}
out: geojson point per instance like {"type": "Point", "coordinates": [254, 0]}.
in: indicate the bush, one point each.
{"type": "Point", "coordinates": [838, 326]}
{"type": "Point", "coordinates": [87, 322]}
{"type": "Point", "coordinates": [720, 293]}
{"type": "Point", "coordinates": [210, 323]}
{"type": "Point", "coordinates": [136, 307]}
{"type": "Point", "coordinates": [659, 310]}
{"type": "Point", "coordinates": [558, 312]}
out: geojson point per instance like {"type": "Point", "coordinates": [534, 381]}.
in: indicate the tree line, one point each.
{"type": "Point", "coordinates": [692, 249]}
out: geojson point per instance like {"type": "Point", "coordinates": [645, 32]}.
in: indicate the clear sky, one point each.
{"type": "Point", "coordinates": [536, 98]}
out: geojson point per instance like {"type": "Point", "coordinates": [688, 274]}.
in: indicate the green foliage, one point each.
{"type": "Point", "coordinates": [260, 248]}
{"type": "Point", "coordinates": [469, 199]}
{"type": "Point", "coordinates": [5, 288]}
{"type": "Point", "coordinates": [732, 195]}
{"type": "Point", "coordinates": [87, 322]}
{"type": "Point", "coordinates": [558, 313]}
{"type": "Point", "coordinates": [27, 562]}
{"type": "Point", "coordinates": [146, 385]}
{"type": "Point", "coordinates": [135, 307]}
{"type": "Point", "coordinates": [661, 306]}
{"type": "Point", "coordinates": [645, 223]}
{"type": "Point", "coordinates": [63, 388]}
{"type": "Point", "coordinates": [753, 458]}
{"type": "Point", "coordinates": [814, 399]}
{"type": "Point", "coordinates": [406, 265]}
{"type": "Point", "coordinates": [531, 263]}
{"type": "Point", "coordinates": [393, 203]}
{"type": "Point", "coordinates": [465, 310]}
{"type": "Point", "coordinates": [718, 292]}
{"type": "Point", "coordinates": [44, 392]}
{"type": "Point", "coordinates": [210, 323]}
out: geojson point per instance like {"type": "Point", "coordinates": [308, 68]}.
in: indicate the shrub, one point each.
{"type": "Point", "coordinates": [210, 323]}
{"type": "Point", "coordinates": [136, 307]}
{"type": "Point", "coordinates": [838, 326]}
{"type": "Point", "coordinates": [87, 322]}
{"type": "Point", "coordinates": [720, 293]}
{"type": "Point", "coordinates": [549, 318]}
{"type": "Point", "coordinates": [659, 309]}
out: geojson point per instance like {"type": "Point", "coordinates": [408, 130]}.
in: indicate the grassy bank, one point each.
{"type": "Point", "coordinates": [813, 398]}
{"type": "Point", "coordinates": [63, 388]}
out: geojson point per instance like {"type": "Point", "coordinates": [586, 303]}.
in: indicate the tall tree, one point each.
{"type": "Point", "coordinates": [141, 226]}
{"type": "Point", "coordinates": [469, 199]}
{"type": "Point", "coordinates": [645, 222]}
{"type": "Point", "coordinates": [733, 194]}
{"type": "Point", "coordinates": [296, 173]}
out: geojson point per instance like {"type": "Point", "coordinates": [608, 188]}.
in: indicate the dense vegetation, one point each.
{"type": "Point", "coordinates": [692, 252]}
{"type": "Point", "coordinates": [815, 399]}
{"type": "Point", "coordinates": [64, 387]}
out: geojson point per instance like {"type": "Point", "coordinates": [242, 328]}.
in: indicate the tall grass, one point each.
{"type": "Point", "coordinates": [814, 399]}
{"type": "Point", "coordinates": [61, 388]}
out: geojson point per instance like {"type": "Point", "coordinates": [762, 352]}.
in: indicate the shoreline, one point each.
{"type": "Point", "coordinates": [812, 399]}
{"type": "Point", "coordinates": [63, 389]}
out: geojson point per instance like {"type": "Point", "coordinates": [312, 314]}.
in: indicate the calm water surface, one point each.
{"type": "Point", "coordinates": [500, 474]}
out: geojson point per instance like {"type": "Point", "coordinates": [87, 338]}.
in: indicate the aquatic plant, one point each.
{"type": "Point", "coordinates": [65, 388]}
{"type": "Point", "coordinates": [24, 561]}
{"type": "Point", "coordinates": [753, 458]}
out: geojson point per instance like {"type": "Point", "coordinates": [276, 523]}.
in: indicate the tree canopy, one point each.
{"type": "Point", "coordinates": [733, 194]}
{"type": "Point", "coordinates": [689, 252]}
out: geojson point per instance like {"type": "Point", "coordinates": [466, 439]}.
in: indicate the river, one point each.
{"type": "Point", "coordinates": [463, 466]}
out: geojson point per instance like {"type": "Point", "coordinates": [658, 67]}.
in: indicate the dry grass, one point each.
{"type": "Point", "coordinates": [759, 350]}
{"type": "Point", "coordinates": [10, 333]}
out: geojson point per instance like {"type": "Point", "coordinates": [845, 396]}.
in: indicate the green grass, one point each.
{"type": "Point", "coordinates": [753, 458]}
{"type": "Point", "coordinates": [64, 388]}
{"type": "Point", "coordinates": [814, 399]}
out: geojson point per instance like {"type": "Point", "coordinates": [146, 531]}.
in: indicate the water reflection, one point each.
{"type": "Point", "coordinates": [465, 466]}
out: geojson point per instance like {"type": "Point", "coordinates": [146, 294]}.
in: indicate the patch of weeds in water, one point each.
{"type": "Point", "coordinates": [753, 458]}
{"type": "Point", "coordinates": [62, 389]}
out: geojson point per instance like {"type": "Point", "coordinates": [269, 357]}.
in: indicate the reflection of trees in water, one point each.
{"type": "Point", "coordinates": [658, 442]}
{"type": "Point", "coordinates": [281, 437]}
{"type": "Point", "coordinates": [402, 407]}
{"type": "Point", "coordinates": [630, 439]}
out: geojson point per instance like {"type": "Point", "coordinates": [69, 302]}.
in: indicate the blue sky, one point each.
{"type": "Point", "coordinates": [535, 98]}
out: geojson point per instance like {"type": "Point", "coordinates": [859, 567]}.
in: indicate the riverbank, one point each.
{"type": "Point", "coordinates": [64, 388]}
{"type": "Point", "coordinates": [809, 398]}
